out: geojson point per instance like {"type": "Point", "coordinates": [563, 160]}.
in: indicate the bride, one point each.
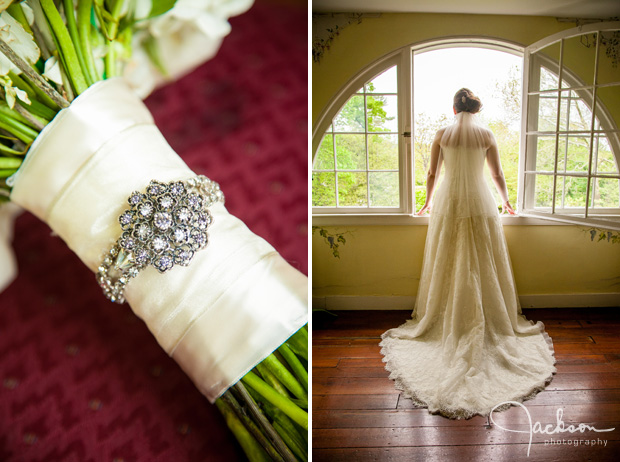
{"type": "Point", "coordinates": [467, 347]}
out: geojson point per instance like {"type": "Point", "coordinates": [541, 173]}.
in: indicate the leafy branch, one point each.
{"type": "Point", "coordinates": [333, 240]}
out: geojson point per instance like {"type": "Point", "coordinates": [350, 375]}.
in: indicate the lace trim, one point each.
{"type": "Point", "coordinates": [462, 413]}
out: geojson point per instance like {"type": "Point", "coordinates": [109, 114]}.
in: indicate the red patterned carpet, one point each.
{"type": "Point", "coordinates": [82, 379]}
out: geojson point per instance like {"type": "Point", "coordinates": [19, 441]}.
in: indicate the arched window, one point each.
{"type": "Point", "coordinates": [572, 113]}
{"type": "Point", "coordinates": [367, 163]}
{"type": "Point", "coordinates": [358, 166]}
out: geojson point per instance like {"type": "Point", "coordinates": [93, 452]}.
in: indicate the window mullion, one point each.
{"type": "Point", "coordinates": [598, 41]}
{"type": "Point", "coordinates": [557, 128]}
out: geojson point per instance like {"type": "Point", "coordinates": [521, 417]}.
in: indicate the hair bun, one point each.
{"type": "Point", "coordinates": [466, 101]}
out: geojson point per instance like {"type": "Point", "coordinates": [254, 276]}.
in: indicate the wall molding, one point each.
{"type": "Point", "coordinates": [355, 302]}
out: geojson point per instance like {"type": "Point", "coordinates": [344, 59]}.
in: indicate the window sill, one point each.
{"type": "Point", "coordinates": [408, 220]}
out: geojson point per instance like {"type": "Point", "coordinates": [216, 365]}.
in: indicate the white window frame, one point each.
{"type": "Point", "coordinates": [404, 58]}
{"type": "Point", "coordinates": [526, 195]}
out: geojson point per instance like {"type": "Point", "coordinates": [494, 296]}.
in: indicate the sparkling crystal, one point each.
{"type": "Point", "coordinates": [180, 235]}
{"type": "Point", "coordinates": [141, 256]}
{"type": "Point", "coordinates": [163, 262]}
{"type": "Point", "coordinates": [166, 202]}
{"type": "Point", "coordinates": [155, 188]}
{"type": "Point", "coordinates": [145, 209]}
{"type": "Point", "coordinates": [162, 220]}
{"type": "Point", "coordinates": [135, 198]}
{"type": "Point", "coordinates": [126, 218]}
{"type": "Point", "coordinates": [142, 231]}
{"type": "Point", "coordinates": [202, 220]}
{"type": "Point", "coordinates": [183, 256]}
{"type": "Point", "coordinates": [183, 215]}
{"type": "Point", "coordinates": [159, 244]}
{"type": "Point", "coordinates": [194, 201]}
{"type": "Point", "coordinates": [123, 260]}
{"type": "Point", "coordinates": [128, 242]}
{"type": "Point", "coordinates": [177, 188]}
{"type": "Point", "coordinates": [199, 239]}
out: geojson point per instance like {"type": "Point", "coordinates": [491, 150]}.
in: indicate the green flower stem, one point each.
{"type": "Point", "coordinates": [290, 441]}
{"type": "Point", "coordinates": [38, 109]}
{"type": "Point", "coordinates": [37, 97]}
{"type": "Point", "coordinates": [250, 446]}
{"type": "Point", "coordinates": [271, 379]}
{"type": "Point", "coordinates": [35, 78]}
{"type": "Point", "coordinates": [115, 14]}
{"type": "Point", "coordinates": [18, 129]}
{"type": "Point", "coordinates": [284, 404]}
{"type": "Point", "coordinates": [83, 24]}
{"type": "Point", "coordinates": [298, 342]}
{"type": "Point", "coordinates": [285, 377]}
{"type": "Point", "coordinates": [34, 121]}
{"type": "Point", "coordinates": [9, 163]}
{"type": "Point", "coordinates": [16, 11]}
{"type": "Point", "coordinates": [9, 151]}
{"type": "Point", "coordinates": [260, 418]}
{"type": "Point", "coordinates": [5, 173]}
{"type": "Point", "coordinates": [73, 32]}
{"type": "Point", "coordinates": [297, 367]}
{"type": "Point", "coordinates": [276, 415]}
{"type": "Point", "coordinates": [252, 427]}
{"type": "Point", "coordinates": [70, 59]}
{"type": "Point", "coordinates": [7, 112]}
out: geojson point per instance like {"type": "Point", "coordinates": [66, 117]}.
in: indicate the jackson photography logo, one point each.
{"type": "Point", "coordinates": [559, 428]}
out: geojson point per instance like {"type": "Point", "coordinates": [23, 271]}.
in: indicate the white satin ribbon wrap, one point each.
{"type": "Point", "coordinates": [237, 301]}
{"type": "Point", "coordinates": [8, 265]}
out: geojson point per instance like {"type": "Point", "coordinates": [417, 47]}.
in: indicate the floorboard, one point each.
{"type": "Point", "coordinates": [359, 416]}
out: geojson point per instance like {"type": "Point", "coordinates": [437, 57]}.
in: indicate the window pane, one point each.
{"type": "Point", "coordinates": [352, 189]}
{"type": "Point", "coordinates": [323, 189]}
{"type": "Point", "coordinates": [546, 63]}
{"type": "Point", "coordinates": [545, 119]}
{"type": "Point", "coordinates": [606, 192]}
{"type": "Point", "coordinates": [608, 65]}
{"type": "Point", "coordinates": [384, 189]}
{"type": "Point", "coordinates": [543, 191]}
{"type": "Point", "coordinates": [350, 152]}
{"type": "Point", "coordinates": [606, 162]}
{"type": "Point", "coordinates": [351, 117]}
{"type": "Point", "coordinates": [382, 113]}
{"type": "Point", "coordinates": [383, 83]}
{"type": "Point", "coordinates": [574, 191]}
{"type": "Point", "coordinates": [325, 157]}
{"type": "Point", "coordinates": [383, 152]}
{"type": "Point", "coordinates": [578, 153]}
{"type": "Point", "coordinates": [576, 116]}
{"type": "Point", "coordinates": [607, 104]}
{"type": "Point", "coordinates": [578, 58]}
{"type": "Point", "coordinates": [545, 154]}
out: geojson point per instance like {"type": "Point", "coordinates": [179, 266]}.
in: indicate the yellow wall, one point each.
{"type": "Point", "coordinates": [386, 260]}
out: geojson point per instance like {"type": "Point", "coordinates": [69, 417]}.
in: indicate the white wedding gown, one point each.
{"type": "Point", "coordinates": [467, 347]}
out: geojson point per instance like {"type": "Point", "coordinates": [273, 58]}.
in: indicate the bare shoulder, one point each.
{"type": "Point", "coordinates": [440, 133]}
{"type": "Point", "coordinates": [489, 137]}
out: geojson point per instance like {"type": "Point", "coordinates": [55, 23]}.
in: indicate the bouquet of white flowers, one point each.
{"type": "Point", "coordinates": [80, 151]}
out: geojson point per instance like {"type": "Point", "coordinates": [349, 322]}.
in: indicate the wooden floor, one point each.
{"type": "Point", "coordinates": [359, 416]}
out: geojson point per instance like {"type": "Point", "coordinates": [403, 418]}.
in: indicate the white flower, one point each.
{"type": "Point", "coordinates": [4, 4]}
{"type": "Point", "coordinates": [52, 70]}
{"type": "Point", "coordinates": [20, 41]}
{"type": "Point", "coordinates": [186, 36]}
{"type": "Point", "coordinates": [11, 92]}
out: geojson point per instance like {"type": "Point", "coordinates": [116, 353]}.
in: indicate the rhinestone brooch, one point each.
{"type": "Point", "coordinates": [163, 227]}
